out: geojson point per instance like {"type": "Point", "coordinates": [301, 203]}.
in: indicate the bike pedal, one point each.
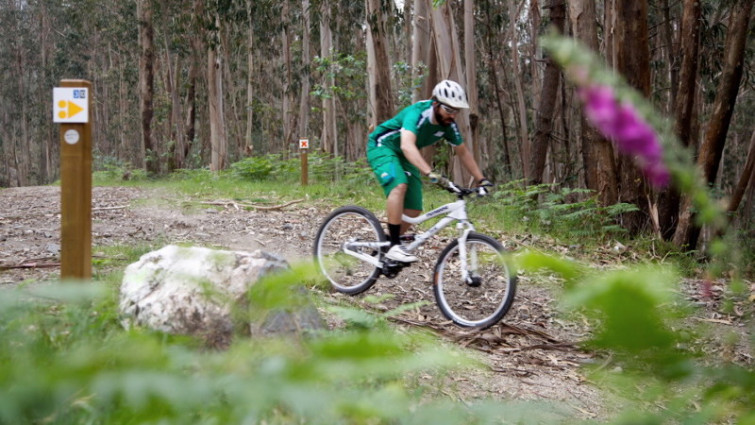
{"type": "Point", "coordinates": [391, 268]}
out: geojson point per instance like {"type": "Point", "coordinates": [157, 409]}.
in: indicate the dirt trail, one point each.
{"type": "Point", "coordinates": [532, 356]}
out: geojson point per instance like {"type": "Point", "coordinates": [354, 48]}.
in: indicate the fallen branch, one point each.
{"type": "Point", "coordinates": [258, 207]}
{"type": "Point", "coordinates": [29, 266]}
{"type": "Point", "coordinates": [561, 346]}
{"type": "Point", "coordinates": [109, 208]}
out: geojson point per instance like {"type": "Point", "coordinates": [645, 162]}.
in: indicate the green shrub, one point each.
{"type": "Point", "coordinates": [254, 167]}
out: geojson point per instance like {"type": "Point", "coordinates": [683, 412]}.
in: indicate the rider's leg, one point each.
{"type": "Point", "coordinates": [412, 199]}
{"type": "Point", "coordinates": [394, 209]}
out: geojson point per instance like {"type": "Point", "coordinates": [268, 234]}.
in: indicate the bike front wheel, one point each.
{"type": "Point", "coordinates": [483, 298]}
{"type": "Point", "coordinates": [346, 248]}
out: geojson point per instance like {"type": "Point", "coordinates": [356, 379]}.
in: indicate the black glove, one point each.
{"type": "Point", "coordinates": [483, 187]}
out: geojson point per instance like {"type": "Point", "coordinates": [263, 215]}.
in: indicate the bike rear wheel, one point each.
{"type": "Point", "coordinates": [354, 229]}
{"type": "Point", "coordinates": [484, 301]}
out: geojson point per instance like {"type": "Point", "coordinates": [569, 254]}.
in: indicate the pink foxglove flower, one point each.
{"type": "Point", "coordinates": [621, 124]}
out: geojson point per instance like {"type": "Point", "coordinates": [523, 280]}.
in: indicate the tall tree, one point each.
{"type": "Point", "coordinates": [687, 231]}
{"type": "Point", "coordinates": [448, 53]}
{"type": "Point", "coordinates": [306, 58]}
{"type": "Point", "coordinates": [218, 136]}
{"type": "Point", "coordinates": [685, 95]}
{"type": "Point", "coordinates": [631, 49]}
{"type": "Point", "coordinates": [424, 61]}
{"type": "Point", "coordinates": [287, 79]}
{"type": "Point", "coordinates": [424, 67]}
{"type": "Point", "coordinates": [147, 83]}
{"type": "Point", "coordinates": [745, 179]}
{"type": "Point", "coordinates": [525, 149]}
{"type": "Point", "coordinates": [548, 96]}
{"type": "Point", "coordinates": [378, 63]}
{"type": "Point", "coordinates": [470, 64]}
{"type": "Point", "coordinates": [248, 148]}
{"type": "Point", "coordinates": [329, 138]}
{"type": "Point", "coordinates": [597, 152]}
{"type": "Point", "coordinates": [492, 62]}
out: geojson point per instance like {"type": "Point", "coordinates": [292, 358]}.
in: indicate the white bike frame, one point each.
{"type": "Point", "coordinates": [453, 211]}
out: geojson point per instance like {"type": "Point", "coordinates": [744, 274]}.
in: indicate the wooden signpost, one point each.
{"type": "Point", "coordinates": [71, 108]}
{"type": "Point", "coordinates": [303, 148]}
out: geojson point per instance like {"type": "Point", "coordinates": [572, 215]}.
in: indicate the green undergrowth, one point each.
{"type": "Point", "coordinates": [73, 363]}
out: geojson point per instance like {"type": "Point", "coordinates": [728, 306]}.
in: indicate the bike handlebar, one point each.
{"type": "Point", "coordinates": [461, 192]}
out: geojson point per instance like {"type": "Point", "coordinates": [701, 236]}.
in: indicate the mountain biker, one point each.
{"type": "Point", "coordinates": [393, 153]}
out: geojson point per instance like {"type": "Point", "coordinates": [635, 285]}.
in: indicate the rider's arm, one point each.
{"type": "Point", "coordinates": [411, 152]}
{"type": "Point", "coordinates": [467, 160]}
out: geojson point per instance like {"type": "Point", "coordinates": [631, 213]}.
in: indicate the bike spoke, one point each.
{"type": "Point", "coordinates": [343, 233]}
{"type": "Point", "coordinates": [483, 299]}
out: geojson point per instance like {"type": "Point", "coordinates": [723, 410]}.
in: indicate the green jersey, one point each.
{"type": "Point", "coordinates": [416, 118]}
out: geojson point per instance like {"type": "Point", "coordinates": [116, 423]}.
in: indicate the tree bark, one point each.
{"type": "Point", "coordinates": [423, 59]}
{"type": "Point", "coordinates": [687, 231]}
{"type": "Point", "coordinates": [492, 63]}
{"type": "Point", "coordinates": [286, 106]}
{"type": "Point", "coordinates": [521, 110]}
{"type": "Point", "coordinates": [632, 49]}
{"type": "Point", "coordinates": [547, 104]}
{"type": "Point", "coordinates": [448, 53]}
{"type": "Point", "coordinates": [470, 62]}
{"type": "Point", "coordinates": [328, 138]}
{"type": "Point", "coordinates": [669, 199]}
{"type": "Point", "coordinates": [744, 180]}
{"type": "Point", "coordinates": [670, 51]}
{"type": "Point", "coordinates": [378, 64]}
{"type": "Point", "coordinates": [195, 69]}
{"type": "Point", "coordinates": [303, 120]}
{"type": "Point", "coordinates": [597, 152]}
{"type": "Point", "coordinates": [218, 137]}
{"type": "Point", "coordinates": [249, 145]}
{"type": "Point", "coordinates": [144, 12]}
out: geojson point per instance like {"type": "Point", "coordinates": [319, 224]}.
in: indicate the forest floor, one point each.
{"type": "Point", "coordinates": [533, 356]}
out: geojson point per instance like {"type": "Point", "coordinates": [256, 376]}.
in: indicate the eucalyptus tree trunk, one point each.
{"type": "Point", "coordinates": [423, 53]}
{"type": "Point", "coordinates": [149, 158]}
{"type": "Point", "coordinates": [669, 50]}
{"type": "Point", "coordinates": [597, 152]}
{"type": "Point", "coordinates": [689, 34]}
{"type": "Point", "coordinates": [328, 139]}
{"type": "Point", "coordinates": [447, 51]}
{"type": "Point", "coordinates": [172, 71]}
{"type": "Point", "coordinates": [249, 146]}
{"type": "Point", "coordinates": [303, 120]}
{"type": "Point", "coordinates": [548, 96]}
{"type": "Point", "coordinates": [492, 64]}
{"type": "Point", "coordinates": [711, 150]}
{"type": "Point", "coordinates": [378, 65]}
{"type": "Point", "coordinates": [632, 52]}
{"type": "Point", "coordinates": [195, 70]}
{"type": "Point", "coordinates": [422, 50]}
{"type": "Point", "coordinates": [745, 179]}
{"type": "Point", "coordinates": [287, 122]}
{"type": "Point", "coordinates": [524, 137]}
{"type": "Point", "coordinates": [470, 62]}
{"type": "Point", "coordinates": [218, 137]}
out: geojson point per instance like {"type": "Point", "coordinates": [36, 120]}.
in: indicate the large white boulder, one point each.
{"type": "Point", "coordinates": [191, 290]}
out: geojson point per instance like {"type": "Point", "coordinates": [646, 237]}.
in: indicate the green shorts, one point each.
{"type": "Point", "coordinates": [391, 170]}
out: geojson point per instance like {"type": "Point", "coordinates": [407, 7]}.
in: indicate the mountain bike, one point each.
{"type": "Point", "coordinates": [472, 283]}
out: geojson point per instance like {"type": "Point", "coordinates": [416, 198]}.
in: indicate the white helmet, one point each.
{"type": "Point", "coordinates": [450, 93]}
